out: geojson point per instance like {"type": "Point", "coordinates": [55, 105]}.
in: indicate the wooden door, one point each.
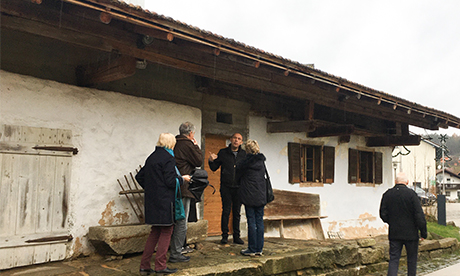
{"type": "Point", "coordinates": [34, 189]}
{"type": "Point", "coordinates": [212, 202]}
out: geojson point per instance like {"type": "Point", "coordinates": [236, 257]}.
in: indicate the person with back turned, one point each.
{"type": "Point", "coordinates": [160, 180]}
{"type": "Point", "coordinates": [401, 209]}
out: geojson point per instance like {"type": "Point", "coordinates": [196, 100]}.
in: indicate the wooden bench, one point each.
{"type": "Point", "coordinates": [296, 215]}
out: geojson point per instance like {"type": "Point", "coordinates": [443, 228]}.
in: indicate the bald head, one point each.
{"type": "Point", "coordinates": [401, 178]}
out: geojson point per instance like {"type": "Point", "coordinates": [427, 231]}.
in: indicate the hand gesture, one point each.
{"type": "Point", "coordinates": [212, 157]}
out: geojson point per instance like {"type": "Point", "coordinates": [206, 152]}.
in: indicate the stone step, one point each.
{"type": "Point", "coordinates": [128, 239]}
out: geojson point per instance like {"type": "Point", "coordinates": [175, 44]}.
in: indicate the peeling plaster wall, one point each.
{"type": "Point", "coordinates": [114, 134]}
{"type": "Point", "coordinates": [351, 210]}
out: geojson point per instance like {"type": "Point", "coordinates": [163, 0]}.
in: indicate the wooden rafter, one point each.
{"type": "Point", "coordinates": [389, 141]}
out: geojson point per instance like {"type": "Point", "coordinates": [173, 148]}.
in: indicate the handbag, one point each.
{"type": "Point", "coordinates": [199, 182]}
{"type": "Point", "coordinates": [179, 211]}
{"type": "Point", "coordinates": [268, 184]}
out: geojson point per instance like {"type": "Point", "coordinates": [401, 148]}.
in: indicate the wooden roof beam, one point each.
{"type": "Point", "coordinates": [106, 71]}
{"type": "Point", "coordinates": [329, 131]}
{"type": "Point", "coordinates": [291, 126]}
{"type": "Point", "coordinates": [390, 141]}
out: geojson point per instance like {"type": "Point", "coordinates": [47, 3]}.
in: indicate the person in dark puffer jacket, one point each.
{"type": "Point", "coordinates": [401, 209]}
{"type": "Point", "coordinates": [250, 174]}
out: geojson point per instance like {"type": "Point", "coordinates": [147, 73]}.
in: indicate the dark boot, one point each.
{"type": "Point", "coordinates": [237, 240]}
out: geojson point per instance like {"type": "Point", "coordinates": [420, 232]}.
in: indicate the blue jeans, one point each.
{"type": "Point", "coordinates": [255, 218]}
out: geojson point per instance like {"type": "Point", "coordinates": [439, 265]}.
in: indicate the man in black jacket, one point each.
{"type": "Point", "coordinates": [226, 159]}
{"type": "Point", "coordinates": [401, 209]}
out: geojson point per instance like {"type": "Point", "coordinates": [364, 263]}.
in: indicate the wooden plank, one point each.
{"type": "Point", "coordinates": [44, 193]}
{"type": "Point", "coordinates": [328, 131]}
{"type": "Point", "coordinates": [274, 217]}
{"type": "Point", "coordinates": [5, 196]}
{"type": "Point", "coordinates": [14, 169]}
{"type": "Point", "coordinates": [292, 126]}
{"type": "Point", "coordinates": [41, 253]}
{"type": "Point", "coordinates": [7, 258]}
{"type": "Point", "coordinates": [32, 239]}
{"type": "Point", "coordinates": [57, 251]}
{"type": "Point", "coordinates": [386, 141]}
{"type": "Point", "coordinates": [30, 134]}
{"type": "Point", "coordinates": [64, 137]}
{"type": "Point", "coordinates": [106, 71]}
{"type": "Point", "coordinates": [10, 133]}
{"type": "Point", "coordinates": [49, 136]}
{"type": "Point", "coordinates": [23, 256]}
{"type": "Point", "coordinates": [293, 204]}
{"type": "Point", "coordinates": [27, 188]}
{"type": "Point", "coordinates": [60, 195]}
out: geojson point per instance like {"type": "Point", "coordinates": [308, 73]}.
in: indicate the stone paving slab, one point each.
{"type": "Point", "coordinates": [211, 258]}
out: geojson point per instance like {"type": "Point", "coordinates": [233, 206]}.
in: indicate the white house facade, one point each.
{"type": "Point", "coordinates": [419, 164]}
{"type": "Point", "coordinates": [448, 184]}
{"type": "Point", "coordinates": [86, 87]}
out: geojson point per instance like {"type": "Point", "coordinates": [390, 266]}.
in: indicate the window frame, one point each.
{"type": "Point", "coordinates": [322, 159]}
{"type": "Point", "coordinates": [355, 163]}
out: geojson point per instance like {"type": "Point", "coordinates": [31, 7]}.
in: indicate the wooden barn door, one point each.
{"type": "Point", "coordinates": [35, 168]}
{"type": "Point", "coordinates": [212, 202]}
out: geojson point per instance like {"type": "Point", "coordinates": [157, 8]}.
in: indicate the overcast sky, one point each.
{"type": "Point", "coordinates": [407, 48]}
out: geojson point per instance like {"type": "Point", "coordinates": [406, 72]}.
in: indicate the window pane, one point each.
{"type": "Point", "coordinates": [366, 168]}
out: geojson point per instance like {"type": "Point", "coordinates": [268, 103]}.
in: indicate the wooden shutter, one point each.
{"type": "Point", "coordinates": [328, 164]}
{"type": "Point", "coordinates": [378, 171]}
{"type": "Point", "coordinates": [352, 166]}
{"type": "Point", "coordinates": [35, 173]}
{"type": "Point", "coordinates": [294, 162]}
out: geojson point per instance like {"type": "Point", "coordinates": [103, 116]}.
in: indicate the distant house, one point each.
{"type": "Point", "coordinates": [87, 86]}
{"type": "Point", "coordinates": [449, 182]}
{"type": "Point", "coordinates": [418, 162]}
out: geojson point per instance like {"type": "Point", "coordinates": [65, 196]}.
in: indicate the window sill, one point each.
{"type": "Point", "coordinates": [311, 184]}
{"type": "Point", "coordinates": [364, 184]}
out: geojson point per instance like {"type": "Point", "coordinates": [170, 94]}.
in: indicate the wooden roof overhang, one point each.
{"type": "Point", "coordinates": [332, 106]}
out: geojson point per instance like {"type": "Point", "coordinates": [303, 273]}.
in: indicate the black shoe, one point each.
{"type": "Point", "coordinates": [149, 271]}
{"type": "Point", "coordinates": [180, 259]}
{"type": "Point", "coordinates": [238, 240]}
{"type": "Point", "coordinates": [224, 240]}
{"type": "Point", "coordinates": [166, 271]}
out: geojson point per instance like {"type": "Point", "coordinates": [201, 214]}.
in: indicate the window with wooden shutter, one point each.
{"type": "Point", "coordinates": [364, 167]}
{"type": "Point", "coordinates": [310, 163]}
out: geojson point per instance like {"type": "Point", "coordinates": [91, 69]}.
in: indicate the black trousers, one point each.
{"type": "Point", "coordinates": [395, 255]}
{"type": "Point", "coordinates": [230, 203]}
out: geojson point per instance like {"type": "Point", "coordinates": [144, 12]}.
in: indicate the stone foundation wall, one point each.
{"type": "Point", "coordinates": [358, 257]}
